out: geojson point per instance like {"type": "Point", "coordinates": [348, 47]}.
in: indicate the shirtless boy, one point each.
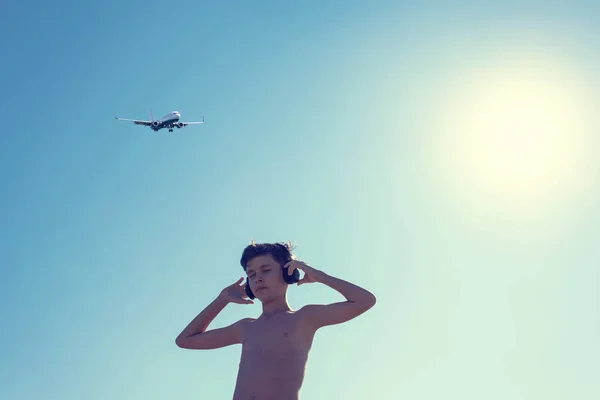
{"type": "Point", "coordinates": [275, 346]}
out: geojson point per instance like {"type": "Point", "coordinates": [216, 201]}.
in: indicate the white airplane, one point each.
{"type": "Point", "coordinates": [169, 121]}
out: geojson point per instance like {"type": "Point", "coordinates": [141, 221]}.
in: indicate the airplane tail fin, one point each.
{"type": "Point", "coordinates": [151, 117]}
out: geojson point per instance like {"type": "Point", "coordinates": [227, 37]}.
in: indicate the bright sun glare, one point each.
{"type": "Point", "coordinates": [513, 136]}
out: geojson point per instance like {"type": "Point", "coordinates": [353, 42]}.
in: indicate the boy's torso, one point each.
{"type": "Point", "coordinates": [274, 356]}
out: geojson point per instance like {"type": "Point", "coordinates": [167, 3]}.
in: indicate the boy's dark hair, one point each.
{"type": "Point", "coordinates": [281, 252]}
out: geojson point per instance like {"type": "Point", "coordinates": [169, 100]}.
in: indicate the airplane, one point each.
{"type": "Point", "coordinates": [169, 122]}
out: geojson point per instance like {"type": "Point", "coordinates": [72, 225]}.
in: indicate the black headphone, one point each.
{"type": "Point", "coordinates": [289, 279]}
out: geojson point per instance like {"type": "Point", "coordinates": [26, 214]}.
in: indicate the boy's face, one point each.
{"type": "Point", "coordinates": [265, 277]}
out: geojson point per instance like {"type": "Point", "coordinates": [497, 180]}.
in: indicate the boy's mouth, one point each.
{"type": "Point", "coordinates": [258, 289]}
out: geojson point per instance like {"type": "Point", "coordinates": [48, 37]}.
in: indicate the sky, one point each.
{"type": "Point", "coordinates": [441, 156]}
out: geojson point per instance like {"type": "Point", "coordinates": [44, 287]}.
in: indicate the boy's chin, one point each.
{"type": "Point", "coordinates": [266, 295]}
{"type": "Point", "coordinates": [263, 297]}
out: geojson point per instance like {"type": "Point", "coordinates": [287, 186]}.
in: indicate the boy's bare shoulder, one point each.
{"type": "Point", "coordinates": [308, 309]}
{"type": "Point", "coordinates": [244, 322]}
{"type": "Point", "coordinates": [320, 315]}
{"type": "Point", "coordinates": [305, 313]}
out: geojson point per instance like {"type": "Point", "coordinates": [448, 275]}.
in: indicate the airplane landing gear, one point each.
{"type": "Point", "coordinates": [170, 130]}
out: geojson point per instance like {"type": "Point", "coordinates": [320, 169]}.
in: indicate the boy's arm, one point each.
{"type": "Point", "coordinates": [358, 300]}
{"type": "Point", "coordinates": [195, 335]}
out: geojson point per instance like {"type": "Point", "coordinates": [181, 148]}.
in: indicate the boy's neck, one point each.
{"type": "Point", "coordinates": [275, 306]}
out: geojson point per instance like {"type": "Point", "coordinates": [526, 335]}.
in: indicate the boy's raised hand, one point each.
{"type": "Point", "coordinates": [311, 274]}
{"type": "Point", "coordinates": [236, 293]}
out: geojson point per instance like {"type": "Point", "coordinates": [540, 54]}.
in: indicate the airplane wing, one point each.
{"type": "Point", "coordinates": [191, 123]}
{"type": "Point", "coordinates": [136, 121]}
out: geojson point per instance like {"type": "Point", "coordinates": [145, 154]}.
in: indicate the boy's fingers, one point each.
{"type": "Point", "coordinates": [291, 268]}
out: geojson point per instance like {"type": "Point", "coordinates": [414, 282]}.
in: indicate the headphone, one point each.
{"type": "Point", "coordinates": [289, 279]}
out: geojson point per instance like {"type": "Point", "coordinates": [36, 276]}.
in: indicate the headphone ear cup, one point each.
{"type": "Point", "coordinates": [289, 279]}
{"type": "Point", "coordinates": [249, 291]}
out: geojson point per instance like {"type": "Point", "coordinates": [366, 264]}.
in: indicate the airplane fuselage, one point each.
{"type": "Point", "coordinates": [169, 121]}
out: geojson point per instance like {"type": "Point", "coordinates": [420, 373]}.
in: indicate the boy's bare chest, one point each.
{"type": "Point", "coordinates": [276, 338]}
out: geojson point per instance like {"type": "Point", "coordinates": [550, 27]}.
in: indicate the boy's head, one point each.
{"type": "Point", "coordinates": [263, 265]}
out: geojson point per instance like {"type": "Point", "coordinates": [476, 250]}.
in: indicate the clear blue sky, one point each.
{"type": "Point", "coordinates": [440, 156]}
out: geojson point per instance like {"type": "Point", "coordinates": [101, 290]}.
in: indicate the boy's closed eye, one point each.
{"type": "Point", "coordinates": [252, 274]}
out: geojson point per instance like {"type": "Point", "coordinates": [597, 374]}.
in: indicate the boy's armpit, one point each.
{"type": "Point", "coordinates": [214, 338]}
{"type": "Point", "coordinates": [320, 315]}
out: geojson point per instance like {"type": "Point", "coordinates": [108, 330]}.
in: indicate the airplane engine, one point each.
{"type": "Point", "coordinates": [180, 125]}
{"type": "Point", "coordinates": [155, 123]}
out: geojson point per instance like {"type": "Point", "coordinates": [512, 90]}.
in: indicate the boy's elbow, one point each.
{"type": "Point", "coordinates": [368, 302]}
{"type": "Point", "coordinates": [181, 342]}
{"type": "Point", "coordinates": [372, 300]}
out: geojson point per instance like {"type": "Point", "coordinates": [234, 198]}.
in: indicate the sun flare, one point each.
{"type": "Point", "coordinates": [513, 136]}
